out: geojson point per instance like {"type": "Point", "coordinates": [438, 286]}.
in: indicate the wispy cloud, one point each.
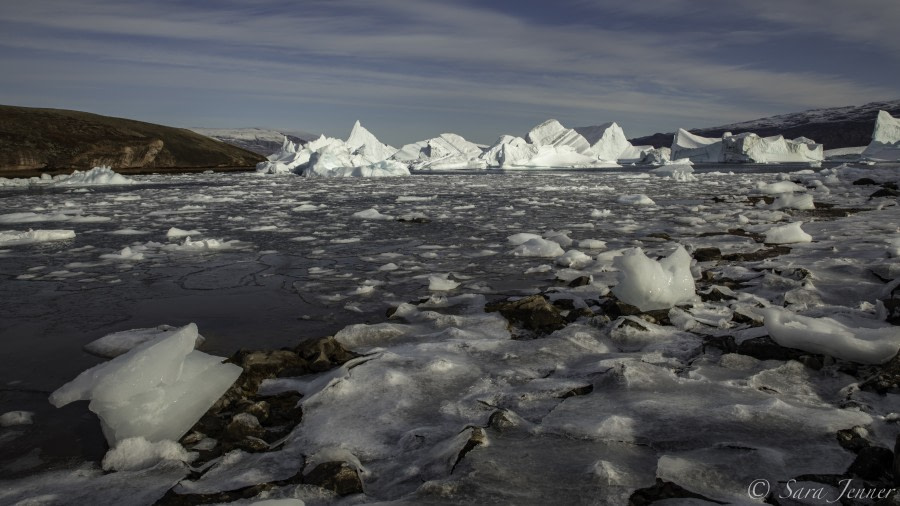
{"type": "Point", "coordinates": [426, 56]}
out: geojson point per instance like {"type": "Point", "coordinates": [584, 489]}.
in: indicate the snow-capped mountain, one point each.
{"type": "Point", "coordinates": [835, 127]}
{"type": "Point", "coordinates": [258, 140]}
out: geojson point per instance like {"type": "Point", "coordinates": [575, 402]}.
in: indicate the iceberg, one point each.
{"type": "Point", "coordinates": [15, 237]}
{"type": "Point", "coordinates": [361, 155]}
{"type": "Point", "coordinates": [885, 145]}
{"type": "Point", "coordinates": [745, 148]}
{"type": "Point", "coordinates": [649, 284]}
{"type": "Point", "coordinates": [102, 175]}
{"type": "Point", "coordinates": [448, 151]}
{"type": "Point", "coordinates": [552, 133]}
{"type": "Point", "coordinates": [608, 142]}
{"type": "Point", "coordinates": [156, 391]}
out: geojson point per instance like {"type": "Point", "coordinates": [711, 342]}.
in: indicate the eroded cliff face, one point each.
{"type": "Point", "coordinates": [48, 139]}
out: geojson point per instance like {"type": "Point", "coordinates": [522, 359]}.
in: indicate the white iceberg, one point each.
{"type": "Point", "coordinates": [681, 172]}
{"type": "Point", "coordinates": [696, 147]}
{"type": "Point", "coordinates": [538, 247]}
{"type": "Point", "coordinates": [608, 142]}
{"type": "Point", "coordinates": [831, 337]}
{"type": "Point", "coordinates": [156, 391]}
{"type": "Point", "coordinates": [649, 284]}
{"type": "Point", "coordinates": [448, 151]}
{"type": "Point", "coordinates": [361, 155]}
{"type": "Point", "coordinates": [745, 148]}
{"type": "Point", "coordinates": [552, 133]}
{"type": "Point", "coordinates": [885, 145]}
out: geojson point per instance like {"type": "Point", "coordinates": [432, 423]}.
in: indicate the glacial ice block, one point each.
{"type": "Point", "coordinates": [831, 337]}
{"type": "Point", "coordinates": [156, 391]}
{"type": "Point", "coordinates": [650, 285]}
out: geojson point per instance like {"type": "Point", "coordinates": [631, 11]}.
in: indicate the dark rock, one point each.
{"type": "Point", "coordinates": [725, 344]}
{"type": "Point", "coordinates": [582, 390]}
{"type": "Point", "coordinates": [849, 439]}
{"type": "Point", "coordinates": [284, 409]}
{"type": "Point", "coordinates": [659, 235]}
{"type": "Point", "coordinates": [885, 192]}
{"type": "Point", "coordinates": [764, 348]}
{"type": "Point", "coordinates": [259, 409]}
{"type": "Point", "coordinates": [564, 304]}
{"type": "Point", "coordinates": [884, 378]}
{"type": "Point", "coordinates": [664, 490]}
{"type": "Point", "coordinates": [893, 311]}
{"type": "Point", "coordinates": [707, 254]}
{"type": "Point", "coordinates": [337, 477]}
{"type": "Point", "coordinates": [758, 255]}
{"type": "Point", "coordinates": [501, 420]}
{"type": "Point", "coordinates": [896, 463]}
{"type": "Point", "coordinates": [417, 219]}
{"type": "Point", "coordinates": [714, 295]}
{"type": "Point", "coordinates": [873, 463]}
{"type": "Point", "coordinates": [614, 308]}
{"type": "Point", "coordinates": [324, 354]}
{"type": "Point", "coordinates": [249, 444]}
{"type": "Point", "coordinates": [864, 181]}
{"type": "Point", "coordinates": [580, 281]}
{"type": "Point", "coordinates": [889, 185]}
{"type": "Point", "coordinates": [533, 313]}
{"type": "Point", "coordinates": [243, 425]}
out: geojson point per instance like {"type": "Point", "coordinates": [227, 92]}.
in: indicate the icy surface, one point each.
{"type": "Point", "coordinates": [787, 234]}
{"type": "Point", "coordinates": [604, 406]}
{"type": "Point", "coordinates": [156, 391]}
{"type": "Point", "coordinates": [118, 343]}
{"type": "Point", "coordinates": [136, 453]}
{"type": "Point", "coordinates": [96, 176]}
{"type": "Point", "coordinates": [16, 418]}
{"type": "Point", "coordinates": [745, 148]}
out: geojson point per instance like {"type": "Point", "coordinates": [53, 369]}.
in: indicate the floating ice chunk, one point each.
{"type": "Point", "coordinates": [372, 214]}
{"type": "Point", "coordinates": [830, 337]}
{"type": "Point", "coordinates": [158, 390]}
{"type": "Point", "coordinates": [636, 200]}
{"type": "Point", "coordinates": [136, 453]}
{"type": "Point", "coordinates": [787, 234]}
{"type": "Point", "coordinates": [118, 343]}
{"type": "Point", "coordinates": [538, 247]}
{"type": "Point", "coordinates": [803, 201]}
{"type": "Point", "coordinates": [97, 176]}
{"type": "Point", "coordinates": [177, 232]}
{"type": "Point", "coordinates": [779, 187]}
{"type": "Point", "coordinates": [127, 253]}
{"type": "Point", "coordinates": [11, 418]}
{"type": "Point", "coordinates": [522, 237]}
{"type": "Point", "coordinates": [677, 172]}
{"type": "Point", "coordinates": [591, 244]}
{"type": "Point", "coordinates": [600, 213]}
{"type": "Point", "coordinates": [16, 238]}
{"type": "Point", "coordinates": [649, 285]}
{"type": "Point", "coordinates": [441, 282]}
{"type": "Point", "coordinates": [574, 259]}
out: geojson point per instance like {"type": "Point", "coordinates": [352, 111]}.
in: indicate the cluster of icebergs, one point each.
{"type": "Point", "coordinates": [551, 144]}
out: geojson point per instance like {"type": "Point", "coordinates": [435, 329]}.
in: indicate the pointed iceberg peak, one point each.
{"type": "Point", "coordinates": [359, 136]}
{"type": "Point", "coordinates": [553, 133]}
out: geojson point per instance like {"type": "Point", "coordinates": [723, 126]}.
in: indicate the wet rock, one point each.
{"type": "Point", "coordinates": [284, 409]}
{"type": "Point", "coordinates": [259, 409]}
{"type": "Point", "coordinates": [890, 185]}
{"type": "Point", "coordinates": [415, 219]}
{"type": "Point", "coordinates": [614, 308]}
{"type": "Point", "coordinates": [580, 281]}
{"type": "Point", "coordinates": [502, 420]}
{"type": "Point", "coordinates": [884, 378]}
{"type": "Point", "coordinates": [337, 477]}
{"type": "Point", "coordinates": [582, 390]}
{"type": "Point", "coordinates": [324, 354]}
{"type": "Point", "coordinates": [564, 304]}
{"type": "Point", "coordinates": [896, 463]}
{"type": "Point", "coordinates": [477, 437]}
{"type": "Point", "coordinates": [707, 254]}
{"type": "Point", "coordinates": [863, 181]}
{"type": "Point", "coordinates": [885, 192]}
{"type": "Point", "coordinates": [533, 313]}
{"type": "Point", "coordinates": [244, 425]}
{"type": "Point", "coordinates": [725, 344]}
{"type": "Point", "coordinates": [852, 439]}
{"type": "Point", "coordinates": [873, 463]}
{"type": "Point", "coordinates": [893, 310]}
{"type": "Point", "coordinates": [664, 490]}
{"type": "Point", "coordinates": [714, 295]}
{"type": "Point", "coordinates": [249, 444]}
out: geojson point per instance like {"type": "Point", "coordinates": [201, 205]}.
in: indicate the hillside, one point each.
{"type": "Point", "coordinates": [54, 139]}
{"type": "Point", "coordinates": [258, 140]}
{"type": "Point", "coordinates": [836, 127]}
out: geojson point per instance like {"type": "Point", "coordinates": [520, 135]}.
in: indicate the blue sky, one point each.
{"type": "Point", "coordinates": [412, 69]}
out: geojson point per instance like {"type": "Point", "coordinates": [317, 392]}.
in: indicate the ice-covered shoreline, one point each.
{"type": "Point", "coordinates": [462, 379]}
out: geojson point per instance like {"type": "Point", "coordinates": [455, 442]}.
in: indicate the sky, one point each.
{"type": "Point", "coordinates": [412, 69]}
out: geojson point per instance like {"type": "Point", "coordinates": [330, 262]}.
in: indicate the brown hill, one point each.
{"type": "Point", "coordinates": [55, 139]}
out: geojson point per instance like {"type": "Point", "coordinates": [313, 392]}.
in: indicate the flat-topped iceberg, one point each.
{"type": "Point", "coordinates": [885, 145]}
{"type": "Point", "coordinates": [156, 391]}
{"type": "Point", "coordinates": [745, 148]}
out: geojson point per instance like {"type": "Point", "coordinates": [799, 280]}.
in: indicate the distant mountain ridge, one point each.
{"type": "Point", "coordinates": [51, 139]}
{"type": "Point", "coordinates": [835, 127]}
{"type": "Point", "coordinates": [258, 140]}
